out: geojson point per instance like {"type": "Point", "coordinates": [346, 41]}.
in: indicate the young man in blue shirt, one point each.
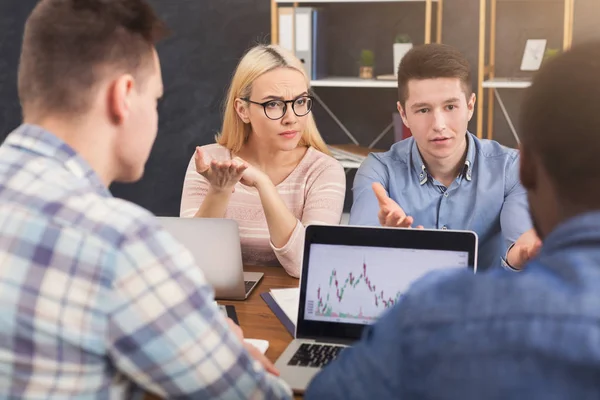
{"type": "Point", "coordinates": [443, 177]}
{"type": "Point", "coordinates": [501, 335]}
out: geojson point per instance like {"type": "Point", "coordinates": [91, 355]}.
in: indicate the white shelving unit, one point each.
{"type": "Point", "coordinates": [487, 65]}
{"type": "Point", "coordinates": [355, 82]}
{"type": "Point", "coordinates": [349, 82]}
{"type": "Point", "coordinates": [355, 1]}
{"type": "Point", "coordinates": [507, 83]}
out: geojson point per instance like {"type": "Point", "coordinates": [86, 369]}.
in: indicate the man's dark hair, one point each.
{"type": "Point", "coordinates": [560, 122]}
{"type": "Point", "coordinates": [71, 45]}
{"type": "Point", "coordinates": [432, 61]}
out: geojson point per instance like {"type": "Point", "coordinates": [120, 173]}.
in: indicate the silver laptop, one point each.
{"type": "Point", "coordinates": [350, 275]}
{"type": "Point", "coordinates": [215, 245]}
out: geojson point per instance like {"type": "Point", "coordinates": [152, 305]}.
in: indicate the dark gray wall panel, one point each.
{"type": "Point", "coordinates": [209, 36]}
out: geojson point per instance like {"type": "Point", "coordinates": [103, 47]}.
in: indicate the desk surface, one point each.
{"type": "Point", "coordinates": [256, 318]}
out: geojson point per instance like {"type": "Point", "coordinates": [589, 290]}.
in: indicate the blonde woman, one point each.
{"type": "Point", "coordinates": [270, 169]}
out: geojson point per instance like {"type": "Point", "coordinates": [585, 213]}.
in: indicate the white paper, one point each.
{"type": "Point", "coordinates": [286, 38]}
{"type": "Point", "coordinates": [303, 32]}
{"type": "Point", "coordinates": [288, 300]}
{"type": "Point", "coordinates": [260, 344]}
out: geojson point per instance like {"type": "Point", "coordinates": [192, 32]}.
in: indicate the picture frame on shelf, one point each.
{"type": "Point", "coordinates": [533, 54]}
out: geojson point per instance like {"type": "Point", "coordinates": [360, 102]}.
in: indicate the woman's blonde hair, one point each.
{"type": "Point", "coordinates": [257, 61]}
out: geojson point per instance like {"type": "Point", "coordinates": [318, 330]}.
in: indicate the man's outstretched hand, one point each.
{"type": "Point", "coordinates": [390, 213]}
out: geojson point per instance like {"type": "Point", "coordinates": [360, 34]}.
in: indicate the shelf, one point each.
{"type": "Point", "coordinates": [507, 83]}
{"type": "Point", "coordinates": [351, 156]}
{"type": "Point", "coordinates": [355, 1]}
{"type": "Point", "coordinates": [353, 82]}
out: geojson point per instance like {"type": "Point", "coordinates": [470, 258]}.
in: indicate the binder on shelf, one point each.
{"type": "Point", "coordinates": [309, 41]}
{"type": "Point", "coordinates": [319, 41]}
{"type": "Point", "coordinates": [303, 36]}
{"type": "Point", "coordinates": [286, 28]}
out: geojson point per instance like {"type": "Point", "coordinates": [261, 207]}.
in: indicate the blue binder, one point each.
{"type": "Point", "coordinates": [287, 323]}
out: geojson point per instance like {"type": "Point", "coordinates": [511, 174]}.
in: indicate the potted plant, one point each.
{"type": "Point", "coordinates": [367, 62]}
{"type": "Point", "coordinates": [402, 44]}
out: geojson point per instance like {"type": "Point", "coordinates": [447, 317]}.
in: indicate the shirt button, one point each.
{"type": "Point", "coordinates": [445, 194]}
{"type": "Point", "coordinates": [444, 228]}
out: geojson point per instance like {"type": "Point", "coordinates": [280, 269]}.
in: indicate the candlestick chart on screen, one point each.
{"type": "Point", "coordinates": [353, 295]}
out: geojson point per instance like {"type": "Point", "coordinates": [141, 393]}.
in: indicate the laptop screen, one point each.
{"type": "Point", "coordinates": [355, 284]}
{"type": "Point", "coordinates": [352, 274]}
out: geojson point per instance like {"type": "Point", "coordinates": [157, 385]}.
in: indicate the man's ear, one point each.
{"type": "Point", "coordinates": [119, 98]}
{"type": "Point", "coordinates": [241, 108]}
{"type": "Point", "coordinates": [471, 105]}
{"type": "Point", "coordinates": [402, 114]}
{"type": "Point", "coordinates": [527, 168]}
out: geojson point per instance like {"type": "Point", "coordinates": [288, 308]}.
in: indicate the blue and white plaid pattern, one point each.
{"type": "Point", "coordinates": [96, 300]}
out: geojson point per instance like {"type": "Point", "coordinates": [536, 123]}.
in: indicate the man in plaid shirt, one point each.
{"type": "Point", "coordinates": [96, 300]}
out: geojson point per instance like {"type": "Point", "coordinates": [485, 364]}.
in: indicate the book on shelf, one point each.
{"type": "Point", "coordinates": [401, 131]}
{"type": "Point", "coordinates": [387, 77]}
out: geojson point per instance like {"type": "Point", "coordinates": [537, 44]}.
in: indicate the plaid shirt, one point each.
{"type": "Point", "coordinates": [96, 300]}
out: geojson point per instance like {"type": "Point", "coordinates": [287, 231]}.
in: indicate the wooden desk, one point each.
{"type": "Point", "coordinates": [256, 318]}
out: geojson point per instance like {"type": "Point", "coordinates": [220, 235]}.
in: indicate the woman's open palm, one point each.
{"type": "Point", "coordinates": [222, 175]}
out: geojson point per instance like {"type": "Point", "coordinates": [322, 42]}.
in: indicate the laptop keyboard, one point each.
{"type": "Point", "coordinates": [248, 285]}
{"type": "Point", "coordinates": [314, 355]}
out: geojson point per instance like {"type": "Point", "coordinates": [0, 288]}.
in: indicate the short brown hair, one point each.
{"type": "Point", "coordinates": [560, 122]}
{"type": "Point", "coordinates": [432, 61]}
{"type": "Point", "coordinates": [71, 45]}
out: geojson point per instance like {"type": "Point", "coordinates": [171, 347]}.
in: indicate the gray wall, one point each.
{"type": "Point", "coordinates": [209, 36]}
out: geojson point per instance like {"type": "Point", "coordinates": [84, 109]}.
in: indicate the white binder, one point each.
{"type": "Point", "coordinates": [286, 28]}
{"type": "Point", "coordinates": [303, 36]}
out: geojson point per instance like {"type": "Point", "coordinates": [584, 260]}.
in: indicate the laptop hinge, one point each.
{"type": "Point", "coordinates": [344, 341]}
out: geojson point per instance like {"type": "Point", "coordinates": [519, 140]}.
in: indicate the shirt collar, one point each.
{"type": "Point", "coordinates": [37, 140]}
{"type": "Point", "coordinates": [421, 170]}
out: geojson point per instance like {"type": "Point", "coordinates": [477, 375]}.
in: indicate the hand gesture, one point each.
{"type": "Point", "coordinates": [222, 175]}
{"type": "Point", "coordinates": [390, 213]}
{"type": "Point", "coordinates": [525, 248]}
{"type": "Point", "coordinates": [251, 176]}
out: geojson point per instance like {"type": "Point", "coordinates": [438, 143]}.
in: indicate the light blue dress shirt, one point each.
{"type": "Point", "coordinates": [487, 197]}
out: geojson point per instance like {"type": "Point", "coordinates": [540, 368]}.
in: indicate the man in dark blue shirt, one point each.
{"type": "Point", "coordinates": [502, 335]}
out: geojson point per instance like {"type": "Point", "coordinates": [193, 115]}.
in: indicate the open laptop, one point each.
{"type": "Point", "coordinates": [215, 245]}
{"type": "Point", "coordinates": [350, 275]}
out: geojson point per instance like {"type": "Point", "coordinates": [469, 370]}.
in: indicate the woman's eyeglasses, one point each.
{"type": "Point", "coordinates": [276, 109]}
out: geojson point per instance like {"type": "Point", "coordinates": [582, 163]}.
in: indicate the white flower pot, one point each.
{"type": "Point", "coordinates": [400, 49]}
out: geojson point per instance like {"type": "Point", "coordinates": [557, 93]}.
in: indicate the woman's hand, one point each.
{"type": "Point", "coordinates": [222, 175]}
{"type": "Point", "coordinates": [251, 176]}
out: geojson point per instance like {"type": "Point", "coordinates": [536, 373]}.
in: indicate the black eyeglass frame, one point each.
{"type": "Point", "coordinates": [285, 105]}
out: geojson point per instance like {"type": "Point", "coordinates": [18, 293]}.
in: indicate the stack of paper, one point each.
{"type": "Point", "coordinates": [288, 300]}
{"type": "Point", "coordinates": [346, 158]}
